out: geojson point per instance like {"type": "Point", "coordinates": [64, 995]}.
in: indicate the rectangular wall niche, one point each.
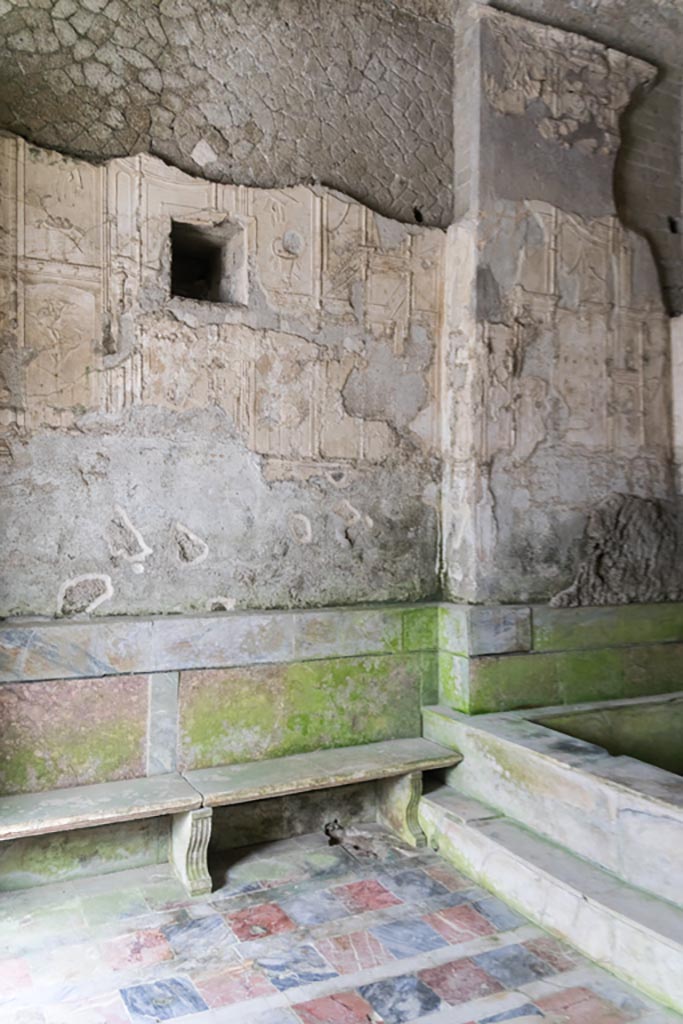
{"type": "Point", "coordinates": [209, 262]}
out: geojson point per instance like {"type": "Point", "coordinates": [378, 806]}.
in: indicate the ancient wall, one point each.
{"type": "Point", "coordinates": [273, 443]}
{"type": "Point", "coordinates": [360, 97]}
{"type": "Point", "coordinates": [556, 359]}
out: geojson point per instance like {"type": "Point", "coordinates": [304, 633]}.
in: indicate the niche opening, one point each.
{"type": "Point", "coordinates": [209, 262]}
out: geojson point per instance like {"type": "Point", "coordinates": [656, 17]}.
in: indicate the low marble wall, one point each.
{"type": "Point", "coordinates": [96, 700]}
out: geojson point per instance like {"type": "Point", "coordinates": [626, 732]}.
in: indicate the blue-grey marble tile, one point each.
{"type": "Point", "coordinates": [408, 938]}
{"type": "Point", "coordinates": [313, 907]}
{"type": "Point", "coordinates": [199, 937]}
{"type": "Point", "coordinates": [162, 1000]}
{"type": "Point", "coordinates": [412, 885]}
{"type": "Point", "coordinates": [513, 965]}
{"type": "Point", "coordinates": [498, 913]}
{"type": "Point", "coordinates": [297, 966]}
{"type": "Point", "coordinates": [401, 999]}
{"type": "Point", "coordinates": [528, 1010]}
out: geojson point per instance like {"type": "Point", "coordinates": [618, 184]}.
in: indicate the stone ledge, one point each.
{"type": "Point", "coordinates": [32, 814]}
{"type": "Point", "coordinates": [33, 650]}
{"type": "Point", "coordinates": [631, 933]}
{"type": "Point", "coordinates": [320, 769]}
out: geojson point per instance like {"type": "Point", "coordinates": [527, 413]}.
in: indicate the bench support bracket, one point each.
{"type": "Point", "coordinates": [397, 803]}
{"type": "Point", "coordinates": [190, 834]}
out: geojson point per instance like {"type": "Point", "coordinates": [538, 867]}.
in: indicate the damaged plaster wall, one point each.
{"type": "Point", "coordinates": [358, 95]}
{"type": "Point", "coordinates": [253, 91]}
{"type": "Point", "coordinates": [165, 453]}
{"type": "Point", "coordinates": [556, 352]}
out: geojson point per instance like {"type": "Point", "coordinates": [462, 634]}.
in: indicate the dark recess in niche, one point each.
{"type": "Point", "coordinates": [417, 214]}
{"type": "Point", "coordinates": [197, 262]}
{"type": "Point", "coordinates": [674, 225]}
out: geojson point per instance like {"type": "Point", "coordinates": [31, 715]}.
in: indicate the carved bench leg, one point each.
{"type": "Point", "coordinates": [397, 803]}
{"type": "Point", "coordinates": [190, 834]}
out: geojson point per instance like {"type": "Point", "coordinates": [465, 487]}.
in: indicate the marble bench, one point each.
{"type": "Point", "coordinates": [396, 765]}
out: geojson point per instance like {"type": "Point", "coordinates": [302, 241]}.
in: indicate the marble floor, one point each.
{"type": "Point", "coordinates": [298, 933]}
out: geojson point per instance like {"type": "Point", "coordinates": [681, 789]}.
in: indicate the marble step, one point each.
{"type": "Point", "coordinates": [624, 815]}
{"type": "Point", "coordinates": [320, 769]}
{"type": "Point", "coordinates": [32, 814]}
{"type": "Point", "coordinates": [634, 934]}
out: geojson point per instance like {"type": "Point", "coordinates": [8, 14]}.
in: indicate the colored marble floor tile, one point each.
{"type": "Point", "coordinates": [408, 938]}
{"type": "Point", "coordinates": [233, 986]}
{"type": "Point", "coordinates": [300, 965]}
{"type": "Point", "coordinates": [583, 1006]}
{"type": "Point", "coordinates": [552, 952]}
{"type": "Point", "coordinates": [513, 965]}
{"type": "Point", "coordinates": [413, 885]}
{"type": "Point", "coordinates": [259, 921]}
{"type": "Point", "coordinates": [498, 913]}
{"type": "Point", "coordinates": [277, 1015]}
{"type": "Point", "coordinates": [239, 953]}
{"type": "Point", "coordinates": [162, 1000]}
{"type": "Point", "coordinates": [448, 876]}
{"type": "Point", "coordinates": [459, 924]}
{"type": "Point", "coordinates": [341, 1008]}
{"type": "Point", "coordinates": [401, 999]}
{"type": "Point", "coordinates": [139, 949]}
{"type": "Point", "coordinates": [114, 905]}
{"type": "Point", "coordinates": [314, 907]}
{"type": "Point", "coordinates": [460, 981]}
{"type": "Point", "coordinates": [525, 1011]}
{"type": "Point", "coordinates": [369, 894]}
{"type": "Point", "coordinates": [199, 938]}
{"type": "Point", "coordinates": [107, 1009]}
{"type": "Point", "coordinates": [353, 952]}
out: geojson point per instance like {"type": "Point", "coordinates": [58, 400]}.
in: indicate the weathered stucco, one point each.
{"type": "Point", "coordinates": [276, 449]}
{"type": "Point", "coordinates": [353, 409]}
{"type": "Point", "coordinates": [556, 348]}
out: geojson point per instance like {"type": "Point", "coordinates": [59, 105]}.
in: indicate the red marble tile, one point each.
{"type": "Point", "coordinates": [257, 922]}
{"type": "Point", "coordinates": [354, 952]}
{"type": "Point", "coordinates": [233, 986]}
{"type": "Point", "coordinates": [136, 950]}
{"type": "Point", "coordinates": [552, 952]}
{"type": "Point", "coordinates": [14, 974]}
{"type": "Point", "coordinates": [458, 924]}
{"type": "Point", "coordinates": [582, 1006]}
{"type": "Point", "coordinates": [341, 1008]}
{"type": "Point", "coordinates": [367, 895]}
{"type": "Point", "coordinates": [449, 877]}
{"type": "Point", "coordinates": [460, 981]}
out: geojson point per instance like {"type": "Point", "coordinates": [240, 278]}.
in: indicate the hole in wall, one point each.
{"type": "Point", "coordinates": [417, 214]}
{"type": "Point", "coordinates": [674, 225]}
{"type": "Point", "coordinates": [209, 262]}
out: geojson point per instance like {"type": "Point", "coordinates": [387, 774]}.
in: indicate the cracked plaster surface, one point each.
{"type": "Point", "coordinates": [252, 92]}
{"type": "Point", "coordinates": [278, 447]}
{"type": "Point", "coordinates": [273, 94]}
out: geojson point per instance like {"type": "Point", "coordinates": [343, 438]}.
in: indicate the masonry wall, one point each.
{"type": "Point", "coordinates": [557, 404]}
{"type": "Point", "coordinates": [166, 454]}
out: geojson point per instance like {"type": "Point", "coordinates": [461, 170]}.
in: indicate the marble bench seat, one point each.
{"type": "Point", "coordinates": [59, 810]}
{"type": "Point", "coordinates": [320, 769]}
{"type": "Point", "coordinates": [396, 767]}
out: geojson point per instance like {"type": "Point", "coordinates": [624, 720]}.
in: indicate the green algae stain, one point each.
{"type": "Point", "coordinates": [40, 860]}
{"type": "Point", "coordinates": [112, 751]}
{"type": "Point", "coordinates": [561, 629]}
{"type": "Point", "coordinates": [240, 715]}
{"type": "Point", "coordinates": [421, 629]}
